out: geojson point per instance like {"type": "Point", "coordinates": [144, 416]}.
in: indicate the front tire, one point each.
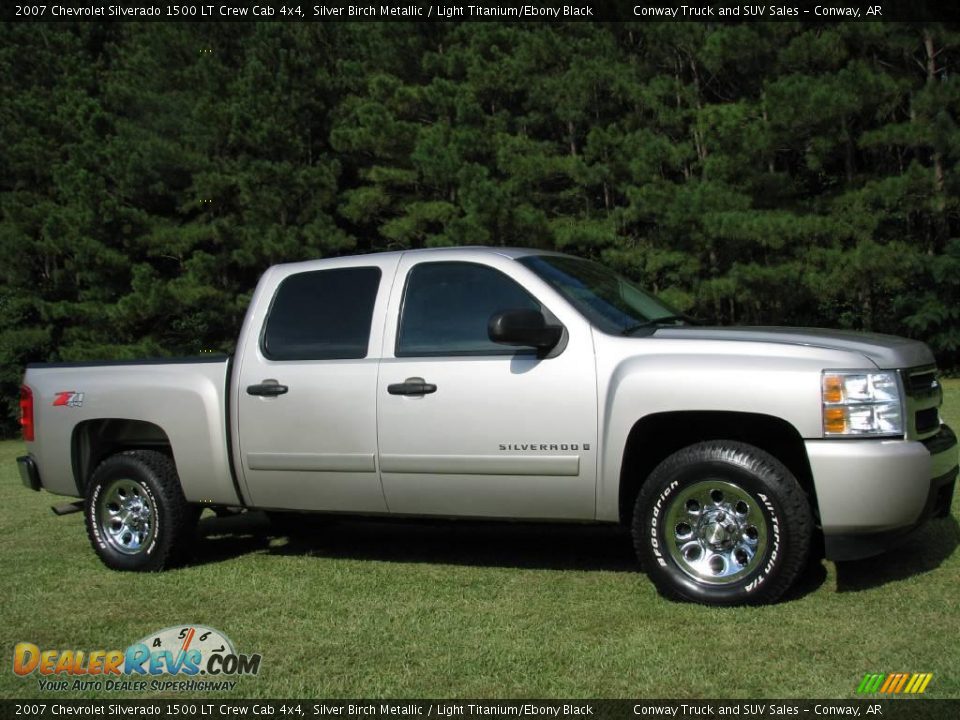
{"type": "Point", "coordinates": [136, 515]}
{"type": "Point", "coordinates": [722, 523]}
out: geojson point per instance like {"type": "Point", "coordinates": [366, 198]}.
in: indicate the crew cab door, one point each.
{"type": "Point", "coordinates": [470, 427]}
{"type": "Point", "coordinates": [306, 389]}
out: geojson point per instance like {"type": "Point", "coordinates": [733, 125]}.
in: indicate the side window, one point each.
{"type": "Point", "coordinates": [322, 315]}
{"type": "Point", "coordinates": [447, 305]}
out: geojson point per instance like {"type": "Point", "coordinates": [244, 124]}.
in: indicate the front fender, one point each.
{"type": "Point", "coordinates": [638, 378]}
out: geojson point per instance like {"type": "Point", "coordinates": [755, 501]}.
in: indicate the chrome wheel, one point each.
{"type": "Point", "coordinates": [715, 531]}
{"type": "Point", "coordinates": [126, 516]}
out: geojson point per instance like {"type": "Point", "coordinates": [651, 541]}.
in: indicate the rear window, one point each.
{"type": "Point", "coordinates": [322, 315]}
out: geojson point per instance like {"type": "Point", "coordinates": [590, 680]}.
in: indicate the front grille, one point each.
{"type": "Point", "coordinates": [927, 419]}
{"type": "Point", "coordinates": [922, 383]}
{"type": "Point", "coordinates": [923, 398]}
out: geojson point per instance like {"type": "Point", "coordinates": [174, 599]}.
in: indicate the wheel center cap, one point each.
{"type": "Point", "coordinates": [715, 533]}
{"type": "Point", "coordinates": [719, 530]}
{"type": "Point", "coordinates": [137, 514]}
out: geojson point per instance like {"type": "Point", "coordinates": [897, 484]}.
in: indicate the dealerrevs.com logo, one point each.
{"type": "Point", "coordinates": [187, 658]}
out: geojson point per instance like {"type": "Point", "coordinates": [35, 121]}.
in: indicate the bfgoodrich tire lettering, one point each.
{"type": "Point", "coordinates": [136, 515]}
{"type": "Point", "coordinates": [722, 523]}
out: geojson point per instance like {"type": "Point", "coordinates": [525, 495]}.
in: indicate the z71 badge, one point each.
{"type": "Point", "coordinates": [70, 398]}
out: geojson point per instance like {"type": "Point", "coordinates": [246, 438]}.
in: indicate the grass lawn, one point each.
{"type": "Point", "coordinates": [406, 610]}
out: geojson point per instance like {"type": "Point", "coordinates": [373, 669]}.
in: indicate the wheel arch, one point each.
{"type": "Point", "coordinates": [93, 441]}
{"type": "Point", "coordinates": [655, 437]}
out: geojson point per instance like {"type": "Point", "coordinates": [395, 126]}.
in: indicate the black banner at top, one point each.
{"type": "Point", "coordinates": [294, 11]}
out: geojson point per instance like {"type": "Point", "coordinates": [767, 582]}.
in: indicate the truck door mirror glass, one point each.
{"type": "Point", "coordinates": [523, 327]}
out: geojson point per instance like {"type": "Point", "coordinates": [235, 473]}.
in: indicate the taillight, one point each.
{"type": "Point", "coordinates": [26, 413]}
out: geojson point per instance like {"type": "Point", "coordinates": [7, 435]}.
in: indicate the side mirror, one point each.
{"type": "Point", "coordinates": [526, 328]}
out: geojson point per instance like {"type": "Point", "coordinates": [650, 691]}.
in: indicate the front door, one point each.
{"type": "Point", "coordinates": [488, 430]}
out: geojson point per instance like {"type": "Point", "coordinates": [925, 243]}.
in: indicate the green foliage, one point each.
{"type": "Point", "coordinates": [757, 173]}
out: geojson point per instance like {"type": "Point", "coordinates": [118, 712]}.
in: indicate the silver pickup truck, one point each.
{"type": "Point", "coordinates": [509, 384]}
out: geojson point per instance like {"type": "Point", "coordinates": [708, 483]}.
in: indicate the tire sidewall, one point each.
{"type": "Point", "coordinates": [125, 468]}
{"type": "Point", "coordinates": [667, 483]}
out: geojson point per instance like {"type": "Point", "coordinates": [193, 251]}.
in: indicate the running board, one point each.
{"type": "Point", "coordinates": [67, 508]}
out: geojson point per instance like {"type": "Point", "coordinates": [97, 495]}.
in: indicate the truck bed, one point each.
{"type": "Point", "coordinates": [82, 410]}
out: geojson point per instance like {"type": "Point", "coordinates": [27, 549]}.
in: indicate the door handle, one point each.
{"type": "Point", "coordinates": [412, 386]}
{"type": "Point", "coordinates": [268, 388]}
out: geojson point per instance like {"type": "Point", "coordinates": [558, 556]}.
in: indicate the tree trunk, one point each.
{"type": "Point", "coordinates": [938, 175]}
{"type": "Point", "coordinates": [766, 121]}
{"type": "Point", "coordinates": [699, 138]}
{"type": "Point", "coordinates": [940, 229]}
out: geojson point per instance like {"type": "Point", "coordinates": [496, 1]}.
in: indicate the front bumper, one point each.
{"type": "Point", "coordinates": [873, 493]}
{"type": "Point", "coordinates": [29, 474]}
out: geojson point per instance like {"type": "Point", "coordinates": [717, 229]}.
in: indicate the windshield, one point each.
{"type": "Point", "coordinates": [609, 301]}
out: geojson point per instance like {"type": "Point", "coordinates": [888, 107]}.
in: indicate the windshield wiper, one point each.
{"type": "Point", "coordinates": [630, 330]}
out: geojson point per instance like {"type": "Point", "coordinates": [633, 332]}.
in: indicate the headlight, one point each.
{"type": "Point", "coordinates": [861, 403]}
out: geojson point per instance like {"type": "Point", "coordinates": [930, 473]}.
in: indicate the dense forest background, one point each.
{"type": "Point", "coordinates": [754, 173]}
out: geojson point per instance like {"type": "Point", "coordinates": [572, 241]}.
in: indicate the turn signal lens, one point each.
{"type": "Point", "coordinates": [834, 421]}
{"type": "Point", "coordinates": [832, 389]}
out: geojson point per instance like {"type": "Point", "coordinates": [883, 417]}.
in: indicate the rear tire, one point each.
{"type": "Point", "coordinates": [722, 523]}
{"type": "Point", "coordinates": [136, 515]}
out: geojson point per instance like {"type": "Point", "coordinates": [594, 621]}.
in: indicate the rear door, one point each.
{"type": "Point", "coordinates": [498, 432]}
{"type": "Point", "coordinates": [306, 389]}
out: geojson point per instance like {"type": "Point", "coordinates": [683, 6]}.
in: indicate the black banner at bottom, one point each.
{"type": "Point", "coordinates": [880, 708]}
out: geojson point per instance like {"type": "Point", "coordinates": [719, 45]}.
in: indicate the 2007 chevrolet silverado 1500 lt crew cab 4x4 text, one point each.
{"type": "Point", "coordinates": [510, 384]}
